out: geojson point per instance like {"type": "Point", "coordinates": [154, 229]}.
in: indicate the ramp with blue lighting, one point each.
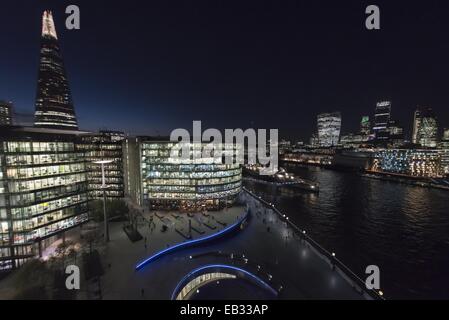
{"type": "Point", "coordinates": [192, 243]}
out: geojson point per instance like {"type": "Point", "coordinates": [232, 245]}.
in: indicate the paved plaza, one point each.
{"type": "Point", "coordinates": [266, 243]}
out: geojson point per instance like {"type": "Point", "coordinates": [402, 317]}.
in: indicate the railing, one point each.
{"type": "Point", "coordinates": [357, 283]}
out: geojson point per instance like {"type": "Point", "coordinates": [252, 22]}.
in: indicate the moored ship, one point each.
{"type": "Point", "coordinates": [281, 178]}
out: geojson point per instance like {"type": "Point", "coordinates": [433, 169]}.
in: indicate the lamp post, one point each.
{"type": "Point", "coordinates": [104, 187]}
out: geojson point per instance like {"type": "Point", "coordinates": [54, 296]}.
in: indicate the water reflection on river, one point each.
{"type": "Point", "coordinates": [402, 229]}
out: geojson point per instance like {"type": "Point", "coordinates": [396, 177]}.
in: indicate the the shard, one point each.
{"type": "Point", "coordinates": [54, 106]}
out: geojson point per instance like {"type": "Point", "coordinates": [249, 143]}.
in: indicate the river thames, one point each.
{"type": "Point", "coordinates": [402, 229]}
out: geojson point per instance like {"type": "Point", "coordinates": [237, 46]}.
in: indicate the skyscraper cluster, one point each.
{"type": "Point", "coordinates": [382, 131]}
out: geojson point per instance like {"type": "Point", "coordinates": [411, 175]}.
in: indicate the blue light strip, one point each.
{"type": "Point", "coordinates": [192, 242]}
{"type": "Point", "coordinates": [221, 266]}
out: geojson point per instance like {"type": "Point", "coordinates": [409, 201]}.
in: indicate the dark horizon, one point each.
{"type": "Point", "coordinates": [150, 68]}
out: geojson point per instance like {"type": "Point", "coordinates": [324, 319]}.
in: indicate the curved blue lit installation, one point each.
{"type": "Point", "coordinates": [222, 267]}
{"type": "Point", "coordinates": [195, 242]}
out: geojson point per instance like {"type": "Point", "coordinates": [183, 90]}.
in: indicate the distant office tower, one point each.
{"type": "Point", "coordinates": [425, 128]}
{"type": "Point", "coordinates": [5, 113]}
{"type": "Point", "coordinates": [396, 133]}
{"type": "Point", "coordinates": [54, 106]}
{"type": "Point", "coordinates": [416, 124]}
{"type": "Point", "coordinates": [314, 142]}
{"type": "Point", "coordinates": [329, 127]}
{"type": "Point", "coordinates": [365, 126]}
{"type": "Point", "coordinates": [445, 134]}
{"type": "Point", "coordinates": [381, 120]}
{"type": "Point", "coordinates": [444, 151]}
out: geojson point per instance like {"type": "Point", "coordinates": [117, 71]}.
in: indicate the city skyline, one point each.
{"type": "Point", "coordinates": [315, 90]}
{"type": "Point", "coordinates": [345, 199]}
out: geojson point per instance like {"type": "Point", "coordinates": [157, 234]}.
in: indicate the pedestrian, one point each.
{"type": "Point", "coordinates": [142, 292]}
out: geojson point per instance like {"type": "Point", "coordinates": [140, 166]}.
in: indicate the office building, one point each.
{"type": "Point", "coordinates": [396, 135]}
{"type": "Point", "coordinates": [157, 180]}
{"type": "Point", "coordinates": [352, 140]}
{"type": "Point", "coordinates": [425, 128]}
{"type": "Point", "coordinates": [365, 126]}
{"type": "Point", "coordinates": [381, 120]}
{"type": "Point", "coordinates": [329, 127]}
{"type": "Point", "coordinates": [444, 151]}
{"type": "Point", "coordinates": [6, 113]}
{"type": "Point", "coordinates": [104, 146]}
{"type": "Point", "coordinates": [43, 191]}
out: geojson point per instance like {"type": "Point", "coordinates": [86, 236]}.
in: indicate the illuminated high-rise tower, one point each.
{"type": "Point", "coordinates": [381, 120]}
{"type": "Point", "coordinates": [425, 127]}
{"type": "Point", "coordinates": [329, 127]}
{"type": "Point", "coordinates": [54, 106]}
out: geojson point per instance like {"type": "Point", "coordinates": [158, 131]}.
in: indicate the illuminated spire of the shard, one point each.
{"type": "Point", "coordinates": [54, 106]}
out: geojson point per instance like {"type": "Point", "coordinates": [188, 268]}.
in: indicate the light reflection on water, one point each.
{"type": "Point", "coordinates": [402, 229]}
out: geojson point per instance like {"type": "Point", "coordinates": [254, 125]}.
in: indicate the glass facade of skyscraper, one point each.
{"type": "Point", "coordinates": [43, 192]}
{"type": "Point", "coordinates": [54, 106]}
{"type": "Point", "coordinates": [329, 127]}
{"type": "Point", "coordinates": [425, 128]}
{"type": "Point", "coordinates": [382, 118]}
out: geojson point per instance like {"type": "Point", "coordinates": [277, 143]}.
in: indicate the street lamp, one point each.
{"type": "Point", "coordinates": [104, 187]}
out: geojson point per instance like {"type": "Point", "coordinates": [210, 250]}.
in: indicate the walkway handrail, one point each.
{"type": "Point", "coordinates": [330, 256]}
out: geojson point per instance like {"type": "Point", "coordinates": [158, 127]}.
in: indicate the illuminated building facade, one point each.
{"type": "Point", "coordinates": [416, 125]}
{"type": "Point", "coordinates": [179, 184]}
{"type": "Point", "coordinates": [284, 146]}
{"type": "Point", "coordinates": [314, 142]}
{"type": "Point", "coordinates": [381, 120]}
{"type": "Point", "coordinates": [54, 106]}
{"type": "Point", "coordinates": [104, 146]}
{"type": "Point", "coordinates": [5, 113]}
{"type": "Point", "coordinates": [329, 127]}
{"type": "Point", "coordinates": [43, 191]}
{"type": "Point", "coordinates": [365, 126]}
{"type": "Point", "coordinates": [444, 151]}
{"type": "Point", "coordinates": [396, 133]}
{"type": "Point", "coordinates": [425, 128]}
{"type": "Point", "coordinates": [411, 162]}
{"type": "Point", "coordinates": [352, 140]}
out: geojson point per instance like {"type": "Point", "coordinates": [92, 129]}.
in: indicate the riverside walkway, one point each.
{"type": "Point", "coordinates": [267, 243]}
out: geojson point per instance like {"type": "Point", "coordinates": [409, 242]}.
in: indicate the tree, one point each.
{"type": "Point", "coordinates": [32, 280]}
{"type": "Point", "coordinates": [62, 250]}
{"type": "Point", "coordinates": [116, 209]}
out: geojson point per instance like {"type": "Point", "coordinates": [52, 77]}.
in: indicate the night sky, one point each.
{"type": "Point", "coordinates": [147, 67]}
